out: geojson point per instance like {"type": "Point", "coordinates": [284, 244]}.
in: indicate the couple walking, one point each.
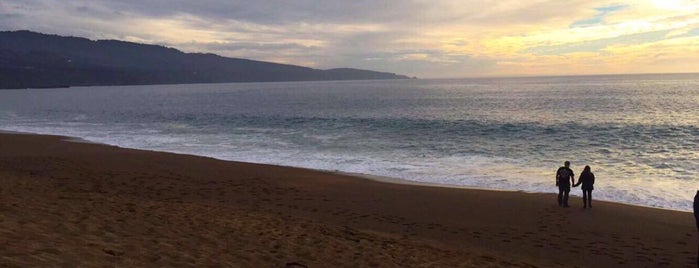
{"type": "Point", "coordinates": [565, 178]}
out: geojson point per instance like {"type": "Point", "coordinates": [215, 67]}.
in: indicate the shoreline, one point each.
{"type": "Point", "coordinates": [377, 178]}
{"type": "Point", "coordinates": [69, 204]}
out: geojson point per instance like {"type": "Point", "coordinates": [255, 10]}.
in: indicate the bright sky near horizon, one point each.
{"type": "Point", "coordinates": [424, 38]}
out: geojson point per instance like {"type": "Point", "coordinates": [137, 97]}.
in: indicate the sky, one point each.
{"type": "Point", "coordinates": [423, 38]}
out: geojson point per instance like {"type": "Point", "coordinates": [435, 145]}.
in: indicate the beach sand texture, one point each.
{"type": "Point", "coordinates": [78, 204]}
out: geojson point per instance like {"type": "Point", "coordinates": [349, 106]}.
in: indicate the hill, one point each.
{"type": "Point", "coordinates": [30, 59]}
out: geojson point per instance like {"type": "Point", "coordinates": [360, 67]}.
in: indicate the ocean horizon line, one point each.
{"type": "Point", "coordinates": [554, 75]}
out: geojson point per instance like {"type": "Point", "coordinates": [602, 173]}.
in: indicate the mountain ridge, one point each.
{"type": "Point", "coordinates": [30, 59]}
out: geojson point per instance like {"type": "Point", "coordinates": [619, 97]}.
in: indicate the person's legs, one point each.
{"type": "Point", "coordinates": [565, 197]}
{"type": "Point", "coordinates": [589, 198]}
{"type": "Point", "coordinates": [585, 198]}
{"type": "Point", "coordinates": [560, 196]}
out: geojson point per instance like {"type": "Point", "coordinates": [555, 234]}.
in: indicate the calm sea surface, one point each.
{"type": "Point", "coordinates": [639, 133]}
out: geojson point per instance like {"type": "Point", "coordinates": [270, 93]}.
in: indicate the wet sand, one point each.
{"type": "Point", "coordinates": [64, 203]}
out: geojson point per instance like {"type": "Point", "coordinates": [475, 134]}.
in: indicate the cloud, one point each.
{"type": "Point", "coordinates": [598, 44]}
{"type": "Point", "coordinates": [602, 12]}
{"type": "Point", "coordinates": [259, 12]}
{"type": "Point", "coordinates": [423, 38]}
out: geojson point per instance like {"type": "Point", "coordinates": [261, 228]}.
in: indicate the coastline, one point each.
{"type": "Point", "coordinates": [384, 179]}
{"type": "Point", "coordinates": [95, 204]}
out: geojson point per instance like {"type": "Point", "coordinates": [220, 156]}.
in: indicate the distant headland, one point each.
{"type": "Point", "coordinates": [36, 60]}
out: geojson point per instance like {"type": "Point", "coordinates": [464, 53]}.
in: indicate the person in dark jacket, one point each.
{"type": "Point", "coordinates": [564, 177]}
{"type": "Point", "coordinates": [696, 219]}
{"type": "Point", "coordinates": [587, 179]}
{"type": "Point", "coordinates": [696, 209]}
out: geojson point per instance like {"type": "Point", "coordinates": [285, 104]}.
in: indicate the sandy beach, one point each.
{"type": "Point", "coordinates": [73, 204]}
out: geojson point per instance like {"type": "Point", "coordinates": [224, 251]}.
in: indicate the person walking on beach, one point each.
{"type": "Point", "coordinates": [564, 178]}
{"type": "Point", "coordinates": [696, 219]}
{"type": "Point", "coordinates": [587, 179]}
{"type": "Point", "coordinates": [696, 209]}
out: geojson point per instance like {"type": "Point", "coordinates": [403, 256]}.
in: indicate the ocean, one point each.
{"type": "Point", "coordinates": [639, 133]}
